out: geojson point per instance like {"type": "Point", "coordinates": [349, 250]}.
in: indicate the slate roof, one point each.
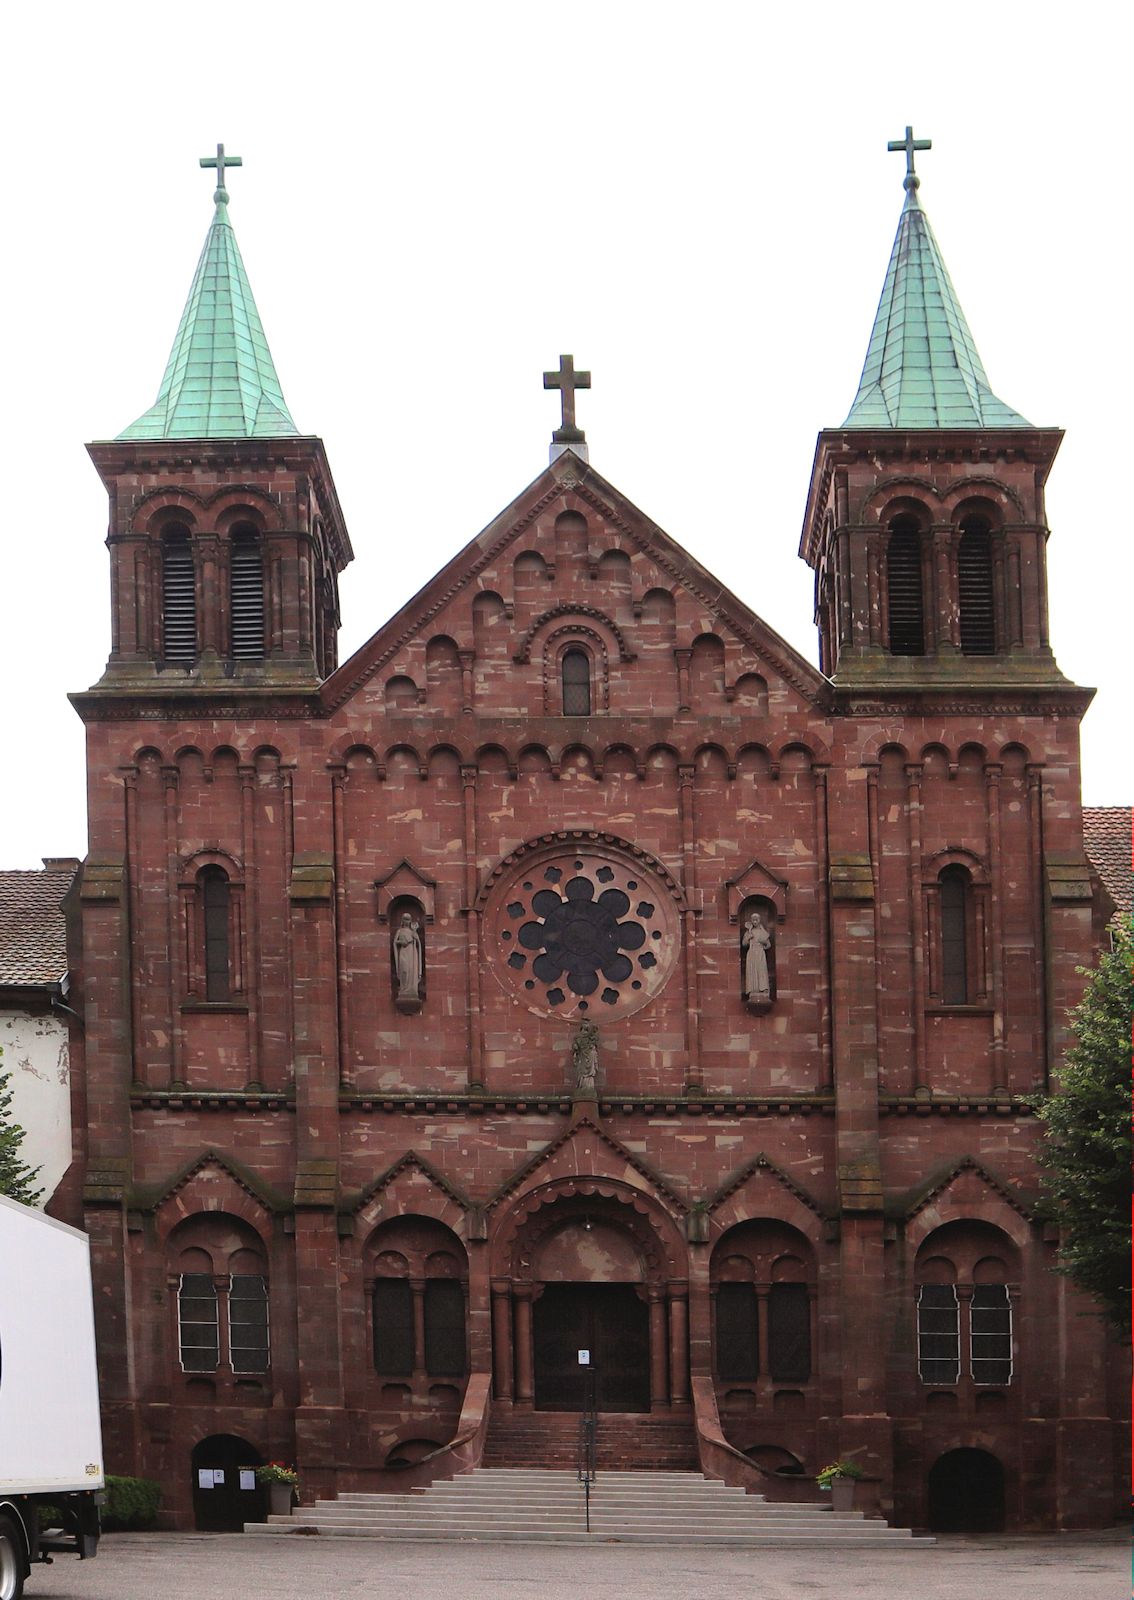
{"type": "Point", "coordinates": [922, 368]}
{"type": "Point", "coordinates": [220, 381]}
{"type": "Point", "coordinates": [33, 936]}
{"type": "Point", "coordinates": [1107, 832]}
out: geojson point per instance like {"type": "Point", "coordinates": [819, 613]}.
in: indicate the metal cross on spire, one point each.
{"type": "Point", "coordinates": [567, 380]}
{"type": "Point", "coordinates": [909, 144]}
{"type": "Point", "coordinates": [221, 161]}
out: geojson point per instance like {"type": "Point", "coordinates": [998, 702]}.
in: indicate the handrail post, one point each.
{"type": "Point", "coordinates": [588, 1432]}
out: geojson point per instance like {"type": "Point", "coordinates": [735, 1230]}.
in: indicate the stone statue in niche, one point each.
{"type": "Point", "coordinates": [409, 965]}
{"type": "Point", "coordinates": [584, 1061]}
{"type": "Point", "coordinates": [756, 942]}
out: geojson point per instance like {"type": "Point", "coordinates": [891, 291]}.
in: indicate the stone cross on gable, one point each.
{"type": "Point", "coordinates": [909, 144]}
{"type": "Point", "coordinates": [567, 380]}
{"type": "Point", "coordinates": [220, 161]}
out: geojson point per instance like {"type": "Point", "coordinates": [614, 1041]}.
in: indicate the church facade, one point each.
{"type": "Point", "coordinates": [577, 967]}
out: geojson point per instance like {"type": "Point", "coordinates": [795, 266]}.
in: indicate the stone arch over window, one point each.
{"type": "Point", "coordinates": [212, 904]}
{"type": "Point", "coordinates": [246, 592]}
{"type": "Point", "coordinates": [218, 1276]}
{"type": "Point", "coordinates": [966, 1274]}
{"type": "Point", "coordinates": [417, 1274]}
{"type": "Point", "coordinates": [178, 595]}
{"type": "Point", "coordinates": [763, 1278]}
{"type": "Point", "coordinates": [905, 585]}
{"type": "Point", "coordinates": [576, 672]}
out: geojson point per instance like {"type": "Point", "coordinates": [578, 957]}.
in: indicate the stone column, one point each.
{"type": "Point", "coordinates": [658, 1392]}
{"type": "Point", "coordinates": [417, 1288]}
{"type": "Point", "coordinates": [763, 1343]}
{"type": "Point", "coordinates": [522, 1312]}
{"type": "Point", "coordinates": [678, 1344]}
{"type": "Point", "coordinates": [502, 1338]}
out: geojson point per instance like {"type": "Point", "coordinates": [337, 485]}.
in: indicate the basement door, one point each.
{"type": "Point", "coordinates": [609, 1320]}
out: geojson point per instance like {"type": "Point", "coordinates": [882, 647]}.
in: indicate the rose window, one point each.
{"type": "Point", "coordinates": [581, 934]}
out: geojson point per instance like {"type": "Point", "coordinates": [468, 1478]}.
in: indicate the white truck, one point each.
{"type": "Point", "coordinates": [50, 1437]}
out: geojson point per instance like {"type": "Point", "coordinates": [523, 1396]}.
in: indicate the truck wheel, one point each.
{"type": "Point", "coordinates": [11, 1560]}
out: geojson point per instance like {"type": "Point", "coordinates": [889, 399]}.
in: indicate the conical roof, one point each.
{"type": "Point", "coordinates": [922, 369]}
{"type": "Point", "coordinates": [220, 381]}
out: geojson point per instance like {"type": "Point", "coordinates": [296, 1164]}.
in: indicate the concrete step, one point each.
{"type": "Point", "coordinates": [539, 1506]}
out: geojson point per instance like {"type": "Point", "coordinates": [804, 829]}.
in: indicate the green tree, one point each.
{"type": "Point", "coordinates": [17, 1179]}
{"type": "Point", "coordinates": [1087, 1150]}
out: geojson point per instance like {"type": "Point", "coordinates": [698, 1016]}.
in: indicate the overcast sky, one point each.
{"type": "Point", "coordinates": [437, 200]}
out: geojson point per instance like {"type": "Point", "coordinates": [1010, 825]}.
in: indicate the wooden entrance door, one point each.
{"type": "Point", "coordinates": [609, 1320]}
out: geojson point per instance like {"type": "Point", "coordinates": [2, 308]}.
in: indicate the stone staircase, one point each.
{"type": "Point", "coordinates": [532, 1505]}
{"type": "Point", "coordinates": [625, 1440]}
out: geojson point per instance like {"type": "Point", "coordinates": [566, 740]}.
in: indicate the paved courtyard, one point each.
{"type": "Point", "coordinates": [228, 1567]}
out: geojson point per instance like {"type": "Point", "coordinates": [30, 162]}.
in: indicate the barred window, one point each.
{"type": "Point", "coordinates": [248, 1322]}
{"type": "Point", "coordinates": [938, 1333]}
{"type": "Point", "coordinates": [198, 1322]}
{"type": "Point", "coordinates": [991, 1333]}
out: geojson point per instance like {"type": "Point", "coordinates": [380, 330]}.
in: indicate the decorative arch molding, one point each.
{"type": "Point", "coordinates": [968, 1191]}
{"type": "Point", "coordinates": [542, 1211]}
{"type": "Point", "coordinates": [210, 855]}
{"type": "Point", "coordinates": [552, 843]}
{"type": "Point", "coordinates": [569, 609]}
{"type": "Point", "coordinates": [153, 508]}
{"type": "Point", "coordinates": [211, 1181]}
{"type": "Point", "coordinates": [164, 505]}
{"type": "Point", "coordinates": [760, 1188]}
{"type": "Point", "coordinates": [413, 1184]}
{"type": "Point", "coordinates": [405, 880]}
{"type": "Point", "coordinates": [955, 856]}
{"type": "Point", "coordinates": [538, 1211]}
{"type": "Point", "coordinates": [902, 493]}
{"type": "Point", "coordinates": [990, 490]}
{"type": "Point", "coordinates": [599, 1149]}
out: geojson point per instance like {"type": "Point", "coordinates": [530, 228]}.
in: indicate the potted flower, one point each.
{"type": "Point", "coordinates": [281, 1481]}
{"type": "Point", "coordinates": [840, 1478]}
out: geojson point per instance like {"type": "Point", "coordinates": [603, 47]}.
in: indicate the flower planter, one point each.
{"type": "Point", "coordinates": [279, 1499]}
{"type": "Point", "coordinates": [842, 1494]}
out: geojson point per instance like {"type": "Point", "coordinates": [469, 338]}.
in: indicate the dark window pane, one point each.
{"type": "Point", "coordinates": [215, 901]}
{"type": "Point", "coordinates": [990, 1331]}
{"type": "Point", "coordinates": [576, 684]}
{"type": "Point", "coordinates": [905, 603]}
{"type": "Point", "coordinates": [737, 1342]}
{"type": "Point", "coordinates": [444, 1327]}
{"type": "Point", "coordinates": [954, 892]}
{"type": "Point", "coordinates": [938, 1333]}
{"type": "Point", "coordinates": [393, 1328]}
{"type": "Point", "coordinates": [248, 1323]}
{"type": "Point", "coordinates": [789, 1333]}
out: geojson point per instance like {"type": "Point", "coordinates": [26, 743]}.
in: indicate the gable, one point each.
{"type": "Point", "coordinates": [573, 560]}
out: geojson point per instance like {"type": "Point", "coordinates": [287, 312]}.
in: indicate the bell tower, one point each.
{"type": "Point", "coordinates": [226, 537]}
{"type": "Point", "coordinates": [925, 522]}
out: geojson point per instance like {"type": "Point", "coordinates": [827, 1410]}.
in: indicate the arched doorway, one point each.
{"type": "Point", "coordinates": [225, 1492]}
{"type": "Point", "coordinates": [591, 1298]}
{"type": "Point", "coordinates": [966, 1493]}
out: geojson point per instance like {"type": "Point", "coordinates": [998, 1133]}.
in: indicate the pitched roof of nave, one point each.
{"type": "Point", "coordinates": [922, 366]}
{"type": "Point", "coordinates": [220, 380]}
{"type": "Point", "coordinates": [570, 479]}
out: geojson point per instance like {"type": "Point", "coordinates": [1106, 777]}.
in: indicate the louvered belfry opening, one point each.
{"type": "Point", "coordinates": [246, 595]}
{"type": "Point", "coordinates": [178, 596]}
{"type": "Point", "coordinates": [906, 600]}
{"type": "Point", "coordinates": [974, 589]}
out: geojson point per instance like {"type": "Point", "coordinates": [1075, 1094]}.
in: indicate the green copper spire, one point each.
{"type": "Point", "coordinates": [220, 381]}
{"type": "Point", "coordinates": [922, 368]}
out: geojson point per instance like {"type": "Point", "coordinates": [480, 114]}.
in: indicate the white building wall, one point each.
{"type": "Point", "coordinates": [36, 1056]}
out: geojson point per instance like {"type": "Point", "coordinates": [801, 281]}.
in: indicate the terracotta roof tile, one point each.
{"type": "Point", "coordinates": [33, 936]}
{"type": "Point", "coordinates": [1107, 834]}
